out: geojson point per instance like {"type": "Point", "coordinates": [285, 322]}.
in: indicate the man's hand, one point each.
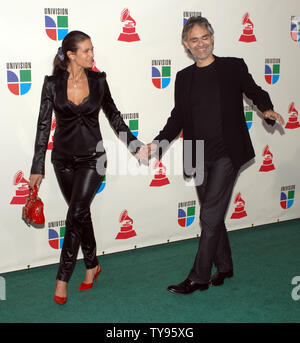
{"type": "Point", "coordinates": [145, 152]}
{"type": "Point", "coordinates": [152, 147]}
{"type": "Point", "coordinates": [142, 154]}
{"type": "Point", "coordinates": [269, 114]}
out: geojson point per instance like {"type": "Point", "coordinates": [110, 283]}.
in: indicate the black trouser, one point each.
{"type": "Point", "coordinates": [79, 181]}
{"type": "Point", "coordinates": [214, 195]}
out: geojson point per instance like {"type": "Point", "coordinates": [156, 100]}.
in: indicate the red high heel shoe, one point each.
{"type": "Point", "coordinates": [84, 286]}
{"type": "Point", "coordinates": [60, 300]}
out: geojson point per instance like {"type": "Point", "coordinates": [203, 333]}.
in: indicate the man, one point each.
{"type": "Point", "coordinates": [209, 107]}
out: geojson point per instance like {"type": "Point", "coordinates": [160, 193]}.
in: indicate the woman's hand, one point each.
{"type": "Point", "coordinates": [35, 179]}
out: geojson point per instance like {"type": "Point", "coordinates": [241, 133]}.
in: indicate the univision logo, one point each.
{"type": "Point", "coordinates": [295, 28]}
{"type": "Point", "coordinates": [186, 213]}
{"type": "Point", "coordinates": [56, 23]}
{"type": "Point", "coordinates": [56, 234]}
{"type": "Point", "coordinates": [161, 73]}
{"type": "Point", "coordinates": [19, 77]}
{"type": "Point", "coordinates": [248, 111]}
{"type": "Point", "coordinates": [188, 14]}
{"type": "Point", "coordinates": [287, 196]}
{"type": "Point", "coordinates": [100, 189]}
{"type": "Point", "coordinates": [272, 70]}
{"type": "Point", "coordinates": [132, 120]}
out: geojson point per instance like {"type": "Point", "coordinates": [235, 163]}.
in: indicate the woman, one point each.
{"type": "Point", "coordinates": [76, 94]}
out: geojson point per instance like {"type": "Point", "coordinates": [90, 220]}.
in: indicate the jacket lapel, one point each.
{"type": "Point", "coordinates": [221, 74]}
{"type": "Point", "coordinates": [186, 90]}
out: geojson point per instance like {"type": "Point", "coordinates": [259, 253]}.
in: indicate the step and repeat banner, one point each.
{"type": "Point", "coordinates": [138, 45]}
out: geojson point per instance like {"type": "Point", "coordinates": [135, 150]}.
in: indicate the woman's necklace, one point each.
{"type": "Point", "coordinates": [75, 83]}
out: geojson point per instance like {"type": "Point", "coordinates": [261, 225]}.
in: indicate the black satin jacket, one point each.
{"type": "Point", "coordinates": [77, 130]}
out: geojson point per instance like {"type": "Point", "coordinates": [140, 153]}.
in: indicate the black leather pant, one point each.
{"type": "Point", "coordinates": [214, 195]}
{"type": "Point", "coordinates": [79, 181]}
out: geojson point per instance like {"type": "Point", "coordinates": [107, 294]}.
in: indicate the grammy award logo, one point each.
{"type": "Point", "coordinates": [128, 34]}
{"type": "Point", "coordinates": [247, 36]}
{"type": "Point", "coordinates": [293, 122]}
{"type": "Point", "coordinates": [22, 191]}
{"type": "Point", "coordinates": [53, 126]}
{"type": "Point", "coordinates": [268, 160]}
{"type": "Point", "coordinates": [160, 178]}
{"type": "Point", "coordinates": [126, 226]}
{"type": "Point", "coordinates": [239, 211]}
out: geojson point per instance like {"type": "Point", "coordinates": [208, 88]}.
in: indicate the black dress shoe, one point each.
{"type": "Point", "coordinates": [187, 287]}
{"type": "Point", "coordinates": [218, 278]}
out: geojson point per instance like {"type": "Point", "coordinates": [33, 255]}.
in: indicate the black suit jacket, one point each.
{"type": "Point", "coordinates": [77, 127]}
{"type": "Point", "coordinates": [234, 80]}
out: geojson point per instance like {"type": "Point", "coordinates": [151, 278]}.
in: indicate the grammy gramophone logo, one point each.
{"type": "Point", "coordinates": [247, 36]}
{"type": "Point", "coordinates": [160, 178]}
{"type": "Point", "coordinates": [239, 210]}
{"type": "Point", "coordinates": [22, 190]}
{"type": "Point", "coordinates": [267, 164]}
{"type": "Point", "coordinates": [128, 33]}
{"type": "Point", "coordinates": [292, 122]}
{"type": "Point", "coordinates": [126, 230]}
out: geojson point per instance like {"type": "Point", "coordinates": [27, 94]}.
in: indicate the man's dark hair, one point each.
{"type": "Point", "coordinates": [201, 21]}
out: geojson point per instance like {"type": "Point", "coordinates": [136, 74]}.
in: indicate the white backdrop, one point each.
{"type": "Point", "coordinates": [168, 211]}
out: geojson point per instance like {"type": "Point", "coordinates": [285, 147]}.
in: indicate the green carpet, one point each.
{"type": "Point", "coordinates": [132, 285]}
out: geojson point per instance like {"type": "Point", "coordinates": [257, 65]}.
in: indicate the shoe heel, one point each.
{"type": "Point", "coordinates": [217, 283]}
{"type": "Point", "coordinates": [97, 273]}
{"type": "Point", "coordinates": [86, 286]}
{"type": "Point", "coordinates": [203, 287]}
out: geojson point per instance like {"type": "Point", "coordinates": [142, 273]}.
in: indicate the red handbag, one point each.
{"type": "Point", "coordinates": [33, 211]}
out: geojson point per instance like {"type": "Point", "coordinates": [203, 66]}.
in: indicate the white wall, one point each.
{"type": "Point", "coordinates": [154, 210]}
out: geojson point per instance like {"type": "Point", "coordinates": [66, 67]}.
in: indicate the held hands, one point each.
{"type": "Point", "coordinates": [269, 114]}
{"type": "Point", "coordinates": [145, 152]}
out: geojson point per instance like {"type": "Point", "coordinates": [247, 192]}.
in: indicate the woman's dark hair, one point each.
{"type": "Point", "coordinates": [69, 43]}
